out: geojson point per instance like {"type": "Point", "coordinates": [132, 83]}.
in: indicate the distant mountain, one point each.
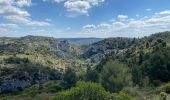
{"type": "Point", "coordinates": [82, 41]}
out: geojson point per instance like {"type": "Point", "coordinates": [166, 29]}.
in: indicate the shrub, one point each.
{"type": "Point", "coordinates": [89, 91]}
{"type": "Point", "coordinates": [165, 88]}
{"type": "Point", "coordinates": [132, 91]}
{"type": "Point", "coordinates": [16, 60]}
{"type": "Point", "coordinates": [163, 96]}
{"type": "Point", "coordinates": [119, 96]}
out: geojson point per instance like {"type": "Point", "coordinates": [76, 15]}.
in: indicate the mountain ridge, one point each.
{"type": "Point", "coordinates": [39, 59]}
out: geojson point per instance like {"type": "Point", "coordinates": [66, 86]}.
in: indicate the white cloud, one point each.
{"type": "Point", "coordinates": [18, 3]}
{"type": "Point", "coordinates": [22, 3]}
{"type": "Point", "coordinates": [12, 11]}
{"type": "Point", "coordinates": [38, 23]}
{"type": "Point", "coordinates": [148, 9]}
{"type": "Point", "coordinates": [104, 26]}
{"type": "Point", "coordinates": [131, 28]}
{"type": "Point", "coordinates": [118, 23]}
{"type": "Point", "coordinates": [5, 2]}
{"type": "Point", "coordinates": [55, 1]}
{"type": "Point", "coordinates": [164, 12]}
{"type": "Point", "coordinates": [89, 27]}
{"type": "Point", "coordinates": [94, 2]}
{"type": "Point", "coordinates": [48, 20]}
{"type": "Point", "coordinates": [78, 6]}
{"type": "Point", "coordinates": [8, 26]}
{"type": "Point", "coordinates": [26, 21]}
{"type": "Point", "coordinates": [91, 2]}
{"type": "Point", "coordinates": [122, 16]}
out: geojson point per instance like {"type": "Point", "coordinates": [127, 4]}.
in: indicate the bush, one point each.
{"type": "Point", "coordinates": [119, 96]}
{"type": "Point", "coordinates": [16, 60]}
{"type": "Point", "coordinates": [83, 90]}
{"type": "Point", "coordinates": [165, 88]}
{"type": "Point", "coordinates": [163, 96]}
{"type": "Point", "coordinates": [132, 91]}
{"type": "Point", "coordinates": [89, 91]}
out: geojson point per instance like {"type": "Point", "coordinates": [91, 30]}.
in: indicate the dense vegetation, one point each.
{"type": "Point", "coordinates": [112, 69]}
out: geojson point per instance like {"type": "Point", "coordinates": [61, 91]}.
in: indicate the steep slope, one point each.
{"type": "Point", "coordinates": [124, 48]}
{"type": "Point", "coordinates": [48, 51]}
{"type": "Point", "coordinates": [19, 73]}
{"type": "Point", "coordinates": [100, 50]}
{"type": "Point", "coordinates": [148, 58]}
{"type": "Point", "coordinates": [31, 60]}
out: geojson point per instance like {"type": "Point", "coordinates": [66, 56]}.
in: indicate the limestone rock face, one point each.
{"type": "Point", "coordinates": [60, 54]}
{"type": "Point", "coordinates": [97, 58]}
{"type": "Point", "coordinates": [93, 50]}
{"type": "Point", "coordinates": [63, 46]}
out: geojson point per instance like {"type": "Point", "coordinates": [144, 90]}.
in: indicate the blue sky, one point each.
{"type": "Point", "coordinates": [84, 18]}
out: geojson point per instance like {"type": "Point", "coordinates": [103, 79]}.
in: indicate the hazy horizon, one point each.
{"type": "Point", "coordinates": [77, 37]}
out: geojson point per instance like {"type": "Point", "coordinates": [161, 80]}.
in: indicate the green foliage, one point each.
{"type": "Point", "coordinates": [48, 51]}
{"type": "Point", "coordinates": [115, 76]}
{"type": "Point", "coordinates": [150, 65]}
{"type": "Point", "coordinates": [132, 91]}
{"type": "Point", "coordinates": [92, 75]}
{"type": "Point", "coordinates": [137, 75]}
{"type": "Point", "coordinates": [163, 35]}
{"type": "Point", "coordinates": [108, 44]}
{"type": "Point", "coordinates": [48, 87]}
{"type": "Point", "coordinates": [42, 91]}
{"type": "Point", "coordinates": [164, 88]}
{"type": "Point", "coordinates": [16, 60]}
{"type": "Point", "coordinates": [163, 96]}
{"type": "Point", "coordinates": [89, 91]}
{"type": "Point", "coordinates": [69, 77]}
{"type": "Point", "coordinates": [120, 96]}
{"type": "Point", "coordinates": [157, 66]}
{"type": "Point", "coordinates": [22, 73]}
{"type": "Point", "coordinates": [145, 61]}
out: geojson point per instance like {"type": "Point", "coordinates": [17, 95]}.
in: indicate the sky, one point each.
{"type": "Point", "coordinates": [83, 18]}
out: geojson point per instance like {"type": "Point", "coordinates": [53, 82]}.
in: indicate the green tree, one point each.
{"type": "Point", "coordinates": [92, 75]}
{"type": "Point", "coordinates": [141, 57]}
{"type": "Point", "coordinates": [157, 66]}
{"type": "Point", "coordinates": [147, 45]}
{"type": "Point", "coordinates": [69, 77]}
{"type": "Point", "coordinates": [137, 75]}
{"type": "Point", "coordinates": [115, 76]}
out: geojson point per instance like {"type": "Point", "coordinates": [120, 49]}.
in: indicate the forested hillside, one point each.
{"type": "Point", "coordinates": [45, 68]}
